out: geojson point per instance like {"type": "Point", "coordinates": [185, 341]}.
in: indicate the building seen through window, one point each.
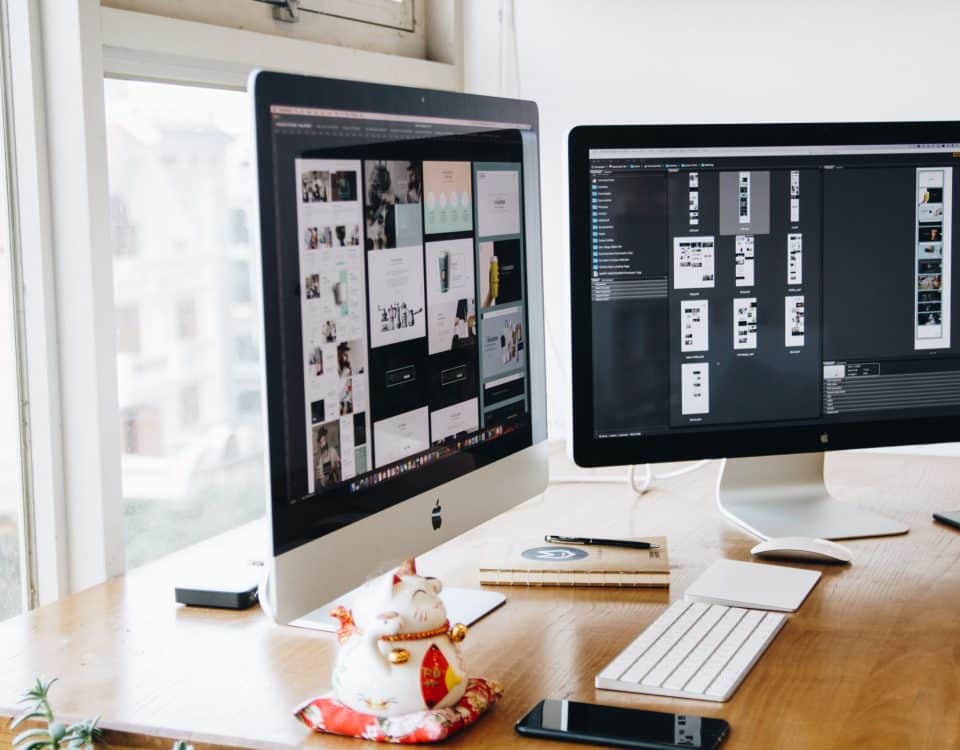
{"type": "Point", "coordinates": [182, 191]}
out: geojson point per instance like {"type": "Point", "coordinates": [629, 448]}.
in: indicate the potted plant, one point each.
{"type": "Point", "coordinates": [56, 735]}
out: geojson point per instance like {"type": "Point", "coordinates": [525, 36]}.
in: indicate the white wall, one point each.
{"type": "Point", "coordinates": [667, 61]}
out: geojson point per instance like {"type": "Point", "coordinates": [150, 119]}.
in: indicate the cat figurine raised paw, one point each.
{"type": "Point", "coordinates": [398, 653]}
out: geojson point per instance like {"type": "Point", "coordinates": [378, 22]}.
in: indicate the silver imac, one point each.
{"type": "Point", "coordinates": [403, 328]}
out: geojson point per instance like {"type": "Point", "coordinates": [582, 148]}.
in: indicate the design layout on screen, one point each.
{"type": "Point", "coordinates": [744, 260]}
{"type": "Point", "coordinates": [498, 201]}
{"type": "Point", "coordinates": [393, 213]}
{"type": "Point", "coordinates": [695, 387]}
{"type": "Point", "coordinates": [395, 374]}
{"type": "Point", "coordinates": [455, 422]}
{"type": "Point", "coordinates": [693, 261]}
{"type": "Point", "coordinates": [934, 258]}
{"type": "Point", "coordinates": [503, 342]}
{"type": "Point", "coordinates": [450, 290]}
{"type": "Point", "coordinates": [745, 323]}
{"type": "Point", "coordinates": [695, 326]}
{"type": "Point", "coordinates": [333, 316]}
{"type": "Point", "coordinates": [401, 436]}
{"type": "Point", "coordinates": [794, 196]}
{"type": "Point", "coordinates": [744, 202]}
{"type": "Point", "coordinates": [795, 258]}
{"type": "Point", "coordinates": [793, 323]}
{"type": "Point", "coordinates": [448, 207]}
{"type": "Point", "coordinates": [396, 295]}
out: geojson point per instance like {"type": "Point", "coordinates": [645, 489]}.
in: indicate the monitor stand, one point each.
{"type": "Point", "coordinates": [779, 496]}
{"type": "Point", "coordinates": [463, 605]}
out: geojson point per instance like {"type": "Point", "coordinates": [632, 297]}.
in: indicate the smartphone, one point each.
{"type": "Point", "coordinates": [620, 727]}
{"type": "Point", "coordinates": [949, 517]}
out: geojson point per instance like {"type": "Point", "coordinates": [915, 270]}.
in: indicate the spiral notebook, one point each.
{"type": "Point", "coordinates": [536, 563]}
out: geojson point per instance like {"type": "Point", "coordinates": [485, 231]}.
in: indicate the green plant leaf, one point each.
{"type": "Point", "coordinates": [39, 691]}
{"type": "Point", "coordinates": [24, 736]}
{"type": "Point", "coordinates": [26, 717]}
{"type": "Point", "coordinates": [83, 734]}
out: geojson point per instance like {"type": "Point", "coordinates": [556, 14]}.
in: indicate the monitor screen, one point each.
{"type": "Point", "coordinates": [744, 287]}
{"type": "Point", "coordinates": [396, 296]}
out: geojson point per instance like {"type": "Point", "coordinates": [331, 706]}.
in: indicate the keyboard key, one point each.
{"type": "Point", "coordinates": [684, 646]}
{"type": "Point", "coordinates": [724, 652]}
{"type": "Point", "coordinates": [632, 652]}
{"type": "Point", "coordinates": [664, 643]}
{"type": "Point", "coordinates": [741, 662]}
{"type": "Point", "coordinates": [704, 649]}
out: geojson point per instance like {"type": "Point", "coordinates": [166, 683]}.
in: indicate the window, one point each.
{"type": "Point", "coordinates": [128, 330]}
{"type": "Point", "coordinates": [121, 230]}
{"type": "Point", "coordinates": [242, 293]}
{"type": "Point", "coordinates": [192, 465]}
{"type": "Point", "coordinates": [247, 349]}
{"type": "Point", "coordinates": [11, 598]}
{"type": "Point", "coordinates": [189, 406]}
{"type": "Point", "coordinates": [248, 402]}
{"type": "Point", "coordinates": [187, 319]}
{"type": "Point", "coordinates": [142, 431]}
{"type": "Point", "coordinates": [11, 486]}
{"type": "Point", "coordinates": [239, 233]}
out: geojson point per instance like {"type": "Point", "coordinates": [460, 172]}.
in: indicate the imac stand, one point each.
{"type": "Point", "coordinates": [781, 496]}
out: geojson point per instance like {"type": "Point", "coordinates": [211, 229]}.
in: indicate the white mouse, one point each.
{"type": "Point", "coordinates": [803, 548]}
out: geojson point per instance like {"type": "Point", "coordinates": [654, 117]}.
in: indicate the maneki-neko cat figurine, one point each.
{"type": "Point", "coordinates": [398, 652]}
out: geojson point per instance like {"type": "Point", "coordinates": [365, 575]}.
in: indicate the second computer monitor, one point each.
{"type": "Point", "coordinates": [758, 290]}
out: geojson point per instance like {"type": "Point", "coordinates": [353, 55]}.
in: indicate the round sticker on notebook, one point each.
{"type": "Point", "coordinates": [554, 554]}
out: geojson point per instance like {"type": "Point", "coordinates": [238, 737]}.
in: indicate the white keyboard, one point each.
{"type": "Point", "coordinates": [693, 650]}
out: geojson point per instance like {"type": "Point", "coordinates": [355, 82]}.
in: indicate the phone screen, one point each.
{"type": "Point", "coordinates": [623, 727]}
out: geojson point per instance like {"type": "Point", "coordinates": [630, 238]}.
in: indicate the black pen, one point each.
{"type": "Point", "coordinates": [554, 539]}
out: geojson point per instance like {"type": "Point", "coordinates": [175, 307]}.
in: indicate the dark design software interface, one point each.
{"type": "Point", "coordinates": [772, 286]}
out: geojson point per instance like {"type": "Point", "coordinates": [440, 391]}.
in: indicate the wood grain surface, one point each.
{"type": "Point", "coordinates": [872, 659]}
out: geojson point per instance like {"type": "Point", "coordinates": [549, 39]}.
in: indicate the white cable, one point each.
{"type": "Point", "coordinates": [265, 594]}
{"type": "Point", "coordinates": [639, 488]}
{"type": "Point", "coordinates": [588, 479]}
{"type": "Point", "coordinates": [647, 479]}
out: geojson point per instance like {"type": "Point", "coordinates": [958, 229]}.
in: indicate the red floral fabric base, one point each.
{"type": "Point", "coordinates": [326, 714]}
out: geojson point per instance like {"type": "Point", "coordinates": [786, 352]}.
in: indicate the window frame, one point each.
{"type": "Point", "coordinates": [394, 27]}
{"type": "Point", "coordinates": [13, 270]}
{"type": "Point", "coordinates": [153, 48]}
{"type": "Point", "coordinates": [44, 513]}
{"type": "Point", "coordinates": [393, 14]}
{"type": "Point", "coordinates": [60, 66]}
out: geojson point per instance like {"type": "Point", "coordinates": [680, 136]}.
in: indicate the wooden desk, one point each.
{"type": "Point", "coordinates": [871, 660]}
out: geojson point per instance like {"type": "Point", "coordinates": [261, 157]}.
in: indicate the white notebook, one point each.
{"type": "Point", "coordinates": [754, 586]}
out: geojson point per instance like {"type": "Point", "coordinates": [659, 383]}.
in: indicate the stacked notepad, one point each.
{"type": "Point", "coordinates": [510, 563]}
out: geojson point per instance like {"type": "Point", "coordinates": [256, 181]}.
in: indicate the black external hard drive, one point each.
{"type": "Point", "coordinates": [222, 592]}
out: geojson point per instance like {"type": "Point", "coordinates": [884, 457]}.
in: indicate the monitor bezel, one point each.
{"type": "Point", "coordinates": [735, 441]}
{"type": "Point", "coordinates": [269, 88]}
